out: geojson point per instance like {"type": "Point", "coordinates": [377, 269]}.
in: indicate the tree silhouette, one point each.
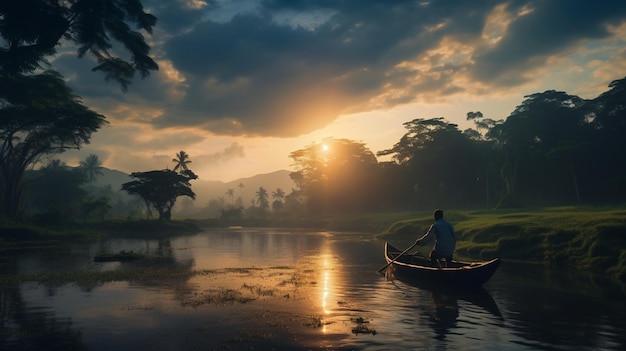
{"type": "Point", "coordinates": [231, 193]}
{"type": "Point", "coordinates": [92, 166]}
{"type": "Point", "coordinates": [181, 160]}
{"type": "Point", "coordinates": [336, 175]}
{"type": "Point", "coordinates": [278, 195]}
{"type": "Point", "coordinates": [39, 116]}
{"type": "Point", "coordinates": [241, 186]}
{"type": "Point", "coordinates": [159, 189]}
{"type": "Point", "coordinates": [262, 198]}
{"type": "Point", "coordinates": [32, 30]}
{"type": "Point", "coordinates": [545, 128]}
{"type": "Point", "coordinates": [55, 188]}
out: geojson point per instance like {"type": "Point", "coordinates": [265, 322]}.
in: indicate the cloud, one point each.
{"type": "Point", "coordinates": [541, 30]}
{"type": "Point", "coordinates": [233, 151]}
{"type": "Point", "coordinates": [286, 68]}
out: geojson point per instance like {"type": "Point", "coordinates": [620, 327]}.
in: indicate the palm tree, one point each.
{"type": "Point", "coordinates": [231, 193]}
{"type": "Point", "coordinates": [261, 196]}
{"type": "Point", "coordinates": [278, 196]}
{"type": "Point", "coordinates": [181, 160]}
{"type": "Point", "coordinates": [92, 166]}
{"type": "Point", "coordinates": [241, 191]}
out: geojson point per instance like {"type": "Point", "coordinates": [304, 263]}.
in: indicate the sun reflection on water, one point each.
{"type": "Point", "coordinates": [326, 292]}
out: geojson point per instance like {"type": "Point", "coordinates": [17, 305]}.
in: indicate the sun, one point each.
{"type": "Point", "coordinates": [324, 147]}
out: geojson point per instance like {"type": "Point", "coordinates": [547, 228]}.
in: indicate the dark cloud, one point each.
{"type": "Point", "coordinates": [550, 27]}
{"type": "Point", "coordinates": [288, 67]}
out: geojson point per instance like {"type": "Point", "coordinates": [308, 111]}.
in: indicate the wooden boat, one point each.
{"type": "Point", "coordinates": [455, 273]}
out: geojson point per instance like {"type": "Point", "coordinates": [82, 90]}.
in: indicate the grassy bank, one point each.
{"type": "Point", "coordinates": [588, 238]}
{"type": "Point", "coordinates": [21, 233]}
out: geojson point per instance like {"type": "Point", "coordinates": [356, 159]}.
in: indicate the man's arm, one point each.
{"type": "Point", "coordinates": [425, 236]}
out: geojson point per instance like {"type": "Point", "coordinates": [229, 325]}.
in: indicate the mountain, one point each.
{"type": "Point", "coordinates": [212, 189]}
{"type": "Point", "coordinates": [112, 177]}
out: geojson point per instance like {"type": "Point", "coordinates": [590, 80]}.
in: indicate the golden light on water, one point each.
{"type": "Point", "coordinates": [326, 288]}
{"type": "Point", "coordinates": [325, 293]}
{"type": "Point", "coordinates": [324, 300]}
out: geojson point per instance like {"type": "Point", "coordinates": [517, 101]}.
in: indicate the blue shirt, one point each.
{"type": "Point", "coordinates": [443, 232]}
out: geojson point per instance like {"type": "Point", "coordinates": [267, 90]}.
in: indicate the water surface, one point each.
{"type": "Point", "coordinates": [288, 290]}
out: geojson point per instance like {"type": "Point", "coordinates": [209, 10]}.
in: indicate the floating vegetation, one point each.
{"type": "Point", "coordinates": [247, 337]}
{"type": "Point", "coordinates": [361, 327]}
{"type": "Point", "coordinates": [258, 290]}
{"type": "Point", "coordinates": [296, 280]}
{"type": "Point", "coordinates": [122, 256]}
{"type": "Point", "coordinates": [218, 297]}
{"type": "Point", "coordinates": [314, 322]}
{"type": "Point", "coordinates": [139, 307]}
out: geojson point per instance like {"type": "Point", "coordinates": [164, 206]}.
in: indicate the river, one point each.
{"type": "Point", "coordinates": [280, 289]}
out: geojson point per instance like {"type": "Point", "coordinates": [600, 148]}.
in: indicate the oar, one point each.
{"type": "Point", "coordinates": [395, 258]}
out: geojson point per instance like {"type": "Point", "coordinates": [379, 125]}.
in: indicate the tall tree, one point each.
{"type": "Point", "coordinates": [160, 189]}
{"type": "Point", "coordinates": [231, 193]}
{"type": "Point", "coordinates": [336, 175]}
{"type": "Point", "coordinates": [261, 198]}
{"type": "Point", "coordinates": [181, 160]}
{"type": "Point", "coordinates": [608, 118]}
{"type": "Point", "coordinates": [241, 186]}
{"type": "Point", "coordinates": [39, 116]}
{"type": "Point", "coordinates": [443, 164]}
{"type": "Point", "coordinates": [92, 166]}
{"type": "Point", "coordinates": [541, 140]}
{"type": "Point", "coordinates": [278, 195]}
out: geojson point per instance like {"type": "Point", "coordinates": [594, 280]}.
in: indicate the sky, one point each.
{"type": "Point", "coordinates": [243, 83]}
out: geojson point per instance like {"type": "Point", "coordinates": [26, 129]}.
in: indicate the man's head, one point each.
{"type": "Point", "coordinates": [438, 214]}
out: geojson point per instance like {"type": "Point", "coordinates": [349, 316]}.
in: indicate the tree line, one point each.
{"type": "Point", "coordinates": [40, 116]}
{"type": "Point", "coordinates": [553, 149]}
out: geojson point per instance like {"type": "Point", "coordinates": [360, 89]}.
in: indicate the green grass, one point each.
{"type": "Point", "coordinates": [17, 233]}
{"type": "Point", "coordinates": [589, 238]}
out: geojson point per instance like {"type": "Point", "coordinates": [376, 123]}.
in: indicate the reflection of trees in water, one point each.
{"type": "Point", "coordinates": [32, 328]}
{"type": "Point", "coordinates": [24, 327]}
{"type": "Point", "coordinates": [565, 307]}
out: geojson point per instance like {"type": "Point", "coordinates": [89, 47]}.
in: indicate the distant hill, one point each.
{"type": "Point", "coordinates": [211, 189]}
{"type": "Point", "coordinates": [270, 181]}
{"type": "Point", "coordinates": [113, 178]}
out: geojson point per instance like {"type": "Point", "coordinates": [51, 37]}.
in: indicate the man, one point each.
{"type": "Point", "coordinates": [445, 242]}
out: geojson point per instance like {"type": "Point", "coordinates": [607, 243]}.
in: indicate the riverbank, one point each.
{"type": "Point", "coordinates": [587, 238]}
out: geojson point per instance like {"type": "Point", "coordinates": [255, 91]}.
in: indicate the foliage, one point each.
{"type": "Point", "coordinates": [582, 237]}
{"type": "Point", "coordinates": [262, 198]}
{"type": "Point", "coordinates": [32, 30]}
{"type": "Point", "coordinates": [181, 160]}
{"type": "Point", "coordinates": [160, 189]}
{"type": "Point", "coordinates": [444, 167]}
{"type": "Point", "coordinates": [55, 188]}
{"type": "Point", "coordinates": [92, 167]}
{"type": "Point", "coordinates": [39, 116]}
{"type": "Point", "coordinates": [337, 175]}
{"type": "Point", "coordinates": [553, 149]}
